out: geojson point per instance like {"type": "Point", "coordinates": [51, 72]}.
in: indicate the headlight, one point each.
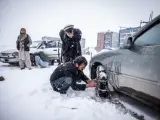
{"type": "Point", "coordinates": [15, 54]}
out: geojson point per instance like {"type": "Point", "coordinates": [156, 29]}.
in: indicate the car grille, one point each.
{"type": "Point", "coordinates": [6, 54]}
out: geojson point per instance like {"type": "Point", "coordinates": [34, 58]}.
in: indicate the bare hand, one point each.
{"type": "Point", "coordinates": [91, 83]}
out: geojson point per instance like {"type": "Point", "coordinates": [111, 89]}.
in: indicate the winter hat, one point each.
{"type": "Point", "coordinates": [23, 29]}
{"type": "Point", "coordinates": [68, 27]}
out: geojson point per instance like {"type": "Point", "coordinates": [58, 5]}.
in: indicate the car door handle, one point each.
{"type": "Point", "coordinates": [54, 50]}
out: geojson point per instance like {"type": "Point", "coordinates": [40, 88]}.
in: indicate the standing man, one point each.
{"type": "Point", "coordinates": [71, 47]}
{"type": "Point", "coordinates": [68, 74]}
{"type": "Point", "coordinates": [23, 46]}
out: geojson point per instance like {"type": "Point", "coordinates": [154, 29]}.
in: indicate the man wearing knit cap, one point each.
{"type": "Point", "coordinates": [71, 47]}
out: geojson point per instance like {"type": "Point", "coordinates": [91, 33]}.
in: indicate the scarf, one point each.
{"type": "Point", "coordinates": [21, 39]}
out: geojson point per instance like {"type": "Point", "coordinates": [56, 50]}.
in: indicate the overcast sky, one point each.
{"type": "Point", "coordinates": [47, 17]}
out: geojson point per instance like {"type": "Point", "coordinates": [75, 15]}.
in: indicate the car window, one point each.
{"type": "Point", "coordinates": [51, 44]}
{"type": "Point", "coordinates": [35, 44]}
{"type": "Point", "coordinates": [43, 46]}
{"type": "Point", "coordinates": [151, 37]}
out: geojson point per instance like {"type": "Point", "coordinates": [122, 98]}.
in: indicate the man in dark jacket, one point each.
{"type": "Point", "coordinates": [69, 74]}
{"type": "Point", "coordinates": [71, 47]}
{"type": "Point", "coordinates": [41, 59]}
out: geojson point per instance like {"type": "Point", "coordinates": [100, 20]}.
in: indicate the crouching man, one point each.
{"type": "Point", "coordinates": [67, 75]}
{"type": "Point", "coordinates": [42, 60]}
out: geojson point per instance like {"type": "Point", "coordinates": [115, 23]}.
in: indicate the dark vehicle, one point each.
{"type": "Point", "coordinates": [133, 69]}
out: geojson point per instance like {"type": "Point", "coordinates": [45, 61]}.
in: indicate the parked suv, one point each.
{"type": "Point", "coordinates": [134, 69]}
{"type": "Point", "coordinates": [50, 47]}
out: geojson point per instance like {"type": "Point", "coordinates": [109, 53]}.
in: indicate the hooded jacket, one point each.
{"type": "Point", "coordinates": [71, 46]}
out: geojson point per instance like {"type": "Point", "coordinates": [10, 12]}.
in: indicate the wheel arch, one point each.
{"type": "Point", "coordinates": [93, 69]}
{"type": "Point", "coordinates": [32, 59]}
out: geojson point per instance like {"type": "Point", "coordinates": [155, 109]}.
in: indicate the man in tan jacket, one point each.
{"type": "Point", "coordinates": [23, 46]}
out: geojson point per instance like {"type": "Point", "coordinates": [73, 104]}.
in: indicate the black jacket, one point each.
{"type": "Point", "coordinates": [27, 42]}
{"type": "Point", "coordinates": [71, 46]}
{"type": "Point", "coordinates": [69, 70]}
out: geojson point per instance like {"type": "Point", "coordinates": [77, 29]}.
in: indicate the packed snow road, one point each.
{"type": "Point", "coordinates": [27, 95]}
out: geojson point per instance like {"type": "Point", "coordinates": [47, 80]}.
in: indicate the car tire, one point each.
{"type": "Point", "coordinates": [14, 64]}
{"type": "Point", "coordinates": [59, 61]}
{"type": "Point", "coordinates": [52, 62]}
{"type": "Point", "coordinates": [104, 88]}
{"type": "Point", "coordinates": [32, 60]}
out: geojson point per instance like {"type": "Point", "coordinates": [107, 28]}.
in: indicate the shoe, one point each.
{"type": "Point", "coordinates": [30, 68]}
{"type": "Point", "coordinates": [22, 68]}
{"type": "Point", "coordinates": [2, 78]}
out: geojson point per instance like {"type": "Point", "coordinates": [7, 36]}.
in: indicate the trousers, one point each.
{"type": "Point", "coordinates": [24, 59]}
{"type": "Point", "coordinates": [40, 62]}
{"type": "Point", "coordinates": [62, 84]}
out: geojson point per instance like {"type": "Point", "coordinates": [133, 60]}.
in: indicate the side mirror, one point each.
{"type": "Point", "coordinates": [128, 43]}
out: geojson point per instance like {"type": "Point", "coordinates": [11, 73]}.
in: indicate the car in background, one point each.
{"type": "Point", "coordinates": [133, 69]}
{"type": "Point", "coordinates": [52, 48]}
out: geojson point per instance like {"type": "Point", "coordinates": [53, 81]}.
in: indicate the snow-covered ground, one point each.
{"type": "Point", "coordinates": [27, 95]}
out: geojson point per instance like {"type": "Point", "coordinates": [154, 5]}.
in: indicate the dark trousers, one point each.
{"type": "Point", "coordinates": [67, 59]}
{"type": "Point", "coordinates": [62, 84]}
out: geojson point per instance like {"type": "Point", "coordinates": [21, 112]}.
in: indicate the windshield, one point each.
{"type": "Point", "coordinates": [35, 44]}
{"type": "Point", "coordinates": [52, 44]}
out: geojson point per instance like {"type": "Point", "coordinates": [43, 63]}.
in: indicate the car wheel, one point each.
{"type": "Point", "coordinates": [32, 60]}
{"type": "Point", "coordinates": [14, 64]}
{"type": "Point", "coordinates": [104, 88]}
{"type": "Point", "coordinates": [58, 61]}
{"type": "Point", "coordinates": [52, 62]}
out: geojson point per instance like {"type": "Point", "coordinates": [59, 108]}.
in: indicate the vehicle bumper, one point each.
{"type": "Point", "coordinates": [9, 59]}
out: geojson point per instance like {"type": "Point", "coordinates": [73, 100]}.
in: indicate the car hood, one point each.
{"type": "Point", "coordinates": [9, 51]}
{"type": "Point", "coordinates": [102, 55]}
{"type": "Point", "coordinates": [106, 52]}
{"type": "Point", "coordinates": [32, 50]}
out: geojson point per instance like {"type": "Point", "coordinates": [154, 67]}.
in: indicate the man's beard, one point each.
{"type": "Point", "coordinates": [22, 33]}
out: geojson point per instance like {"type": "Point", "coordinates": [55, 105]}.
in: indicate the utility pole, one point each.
{"type": "Point", "coordinates": [150, 19]}
{"type": "Point", "coordinates": [151, 16]}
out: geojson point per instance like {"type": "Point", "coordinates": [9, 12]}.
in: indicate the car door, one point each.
{"type": "Point", "coordinates": [139, 68]}
{"type": "Point", "coordinates": [51, 48]}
